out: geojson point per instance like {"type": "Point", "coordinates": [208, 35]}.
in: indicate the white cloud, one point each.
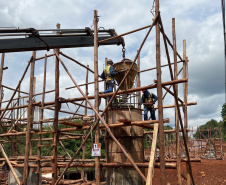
{"type": "Point", "coordinates": [199, 22]}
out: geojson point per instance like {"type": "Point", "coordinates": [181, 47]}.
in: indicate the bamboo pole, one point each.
{"type": "Point", "coordinates": [77, 63]}
{"type": "Point", "coordinates": [84, 147]}
{"type": "Point", "coordinates": [41, 122]}
{"type": "Point", "coordinates": [1, 74]}
{"type": "Point", "coordinates": [160, 104]}
{"type": "Point", "coordinates": [171, 85]}
{"type": "Point", "coordinates": [106, 117]}
{"type": "Point", "coordinates": [221, 146]}
{"type": "Point", "coordinates": [152, 86]}
{"type": "Point", "coordinates": [168, 90]}
{"type": "Point", "coordinates": [138, 82]}
{"type": "Point", "coordinates": [179, 180]}
{"type": "Point", "coordinates": [124, 34]}
{"type": "Point", "coordinates": [165, 65]}
{"type": "Point", "coordinates": [56, 115]}
{"type": "Point", "coordinates": [21, 97]}
{"type": "Point", "coordinates": [80, 85]}
{"type": "Point", "coordinates": [9, 164]}
{"type": "Point", "coordinates": [14, 89]}
{"type": "Point", "coordinates": [30, 117]}
{"type": "Point", "coordinates": [44, 57]}
{"type": "Point", "coordinates": [33, 113]}
{"type": "Point", "coordinates": [185, 87]}
{"type": "Point", "coordinates": [97, 131]}
{"type": "Point", "coordinates": [171, 45]}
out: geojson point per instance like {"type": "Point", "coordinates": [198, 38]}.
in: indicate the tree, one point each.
{"type": "Point", "coordinates": [223, 115]}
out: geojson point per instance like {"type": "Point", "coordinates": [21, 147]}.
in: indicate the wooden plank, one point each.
{"type": "Point", "coordinates": [10, 165]}
{"type": "Point", "coordinates": [70, 123]}
{"type": "Point", "coordinates": [152, 157]}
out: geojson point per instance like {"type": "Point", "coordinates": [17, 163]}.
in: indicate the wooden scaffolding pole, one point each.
{"type": "Point", "coordinates": [176, 110]}
{"type": "Point", "coordinates": [56, 116]}
{"type": "Point", "coordinates": [138, 81]}
{"type": "Point", "coordinates": [96, 93]}
{"type": "Point", "coordinates": [86, 108]}
{"type": "Point", "coordinates": [185, 87]}
{"type": "Point", "coordinates": [1, 75]}
{"type": "Point", "coordinates": [40, 124]}
{"type": "Point", "coordinates": [30, 117]}
{"type": "Point", "coordinates": [160, 104]}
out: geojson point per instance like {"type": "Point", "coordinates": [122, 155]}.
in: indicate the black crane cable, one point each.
{"type": "Point", "coordinates": [223, 18]}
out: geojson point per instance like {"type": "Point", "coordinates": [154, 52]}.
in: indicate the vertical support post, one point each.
{"type": "Point", "coordinates": [160, 106]}
{"type": "Point", "coordinates": [106, 118]}
{"type": "Point", "coordinates": [84, 147]}
{"type": "Point", "coordinates": [138, 81]}
{"type": "Point", "coordinates": [17, 118]}
{"type": "Point", "coordinates": [1, 75]}
{"type": "Point", "coordinates": [40, 123]}
{"type": "Point", "coordinates": [185, 88]}
{"type": "Point", "coordinates": [97, 131]}
{"type": "Point", "coordinates": [56, 114]}
{"type": "Point", "coordinates": [176, 110]}
{"type": "Point", "coordinates": [33, 112]}
{"type": "Point", "coordinates": [221, 147]}
{"type": "Point", "coordinates": [30, 117]}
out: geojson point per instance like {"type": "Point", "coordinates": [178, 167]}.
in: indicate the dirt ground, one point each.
{"type": "Point", "coordinates": [206, 172]}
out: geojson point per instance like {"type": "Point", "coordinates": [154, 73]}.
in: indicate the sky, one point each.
{"type": "Point", "coordinates": [197, 21]}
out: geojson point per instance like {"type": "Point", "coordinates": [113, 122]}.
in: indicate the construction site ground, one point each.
{"type": "Point", "coordinates": [207, 172]}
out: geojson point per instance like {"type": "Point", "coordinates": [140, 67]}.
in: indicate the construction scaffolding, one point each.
{"type": "Point", "coordinates": [23, 122]}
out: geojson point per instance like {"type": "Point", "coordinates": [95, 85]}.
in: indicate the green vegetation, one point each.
{"type": "Point", "coordinates": [71, 145]}
{"type": "Point", "coordinates": [213, 125]}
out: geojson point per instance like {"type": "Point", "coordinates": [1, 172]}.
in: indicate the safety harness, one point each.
{"type": "Point", "coordinates": [107, 73]}
{"type": "Point", "coordinates": [148, 99]}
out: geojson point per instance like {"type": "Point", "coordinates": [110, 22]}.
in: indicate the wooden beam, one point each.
{"type": "Point", "coordinates": [152, 86]}
{"type": "Point", "coordinates": [96, 93]}
{"type": "Point", "coordinates": [160, 103]}
{"type": "Point", "coordinates": [56, 114]}
{"type": "Point", "coordinates": [9, 164]}
{"type": "Point", "coordinates": [30, 116]}
{"type": "Point", "coordinates": [179, 180]}
{"type": "Point", "coordinates": [152, 156]}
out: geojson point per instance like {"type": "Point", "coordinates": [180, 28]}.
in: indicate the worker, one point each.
{"type": "Point", "coordinates": [108, 75]}
{"type": "Point", "coordinates": [148, 99]}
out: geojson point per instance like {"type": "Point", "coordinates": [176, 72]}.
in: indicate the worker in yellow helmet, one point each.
{"type": "Point", "coordinates": [148, 99]}
{"type": "Point", "coordinates": [108, 75]}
